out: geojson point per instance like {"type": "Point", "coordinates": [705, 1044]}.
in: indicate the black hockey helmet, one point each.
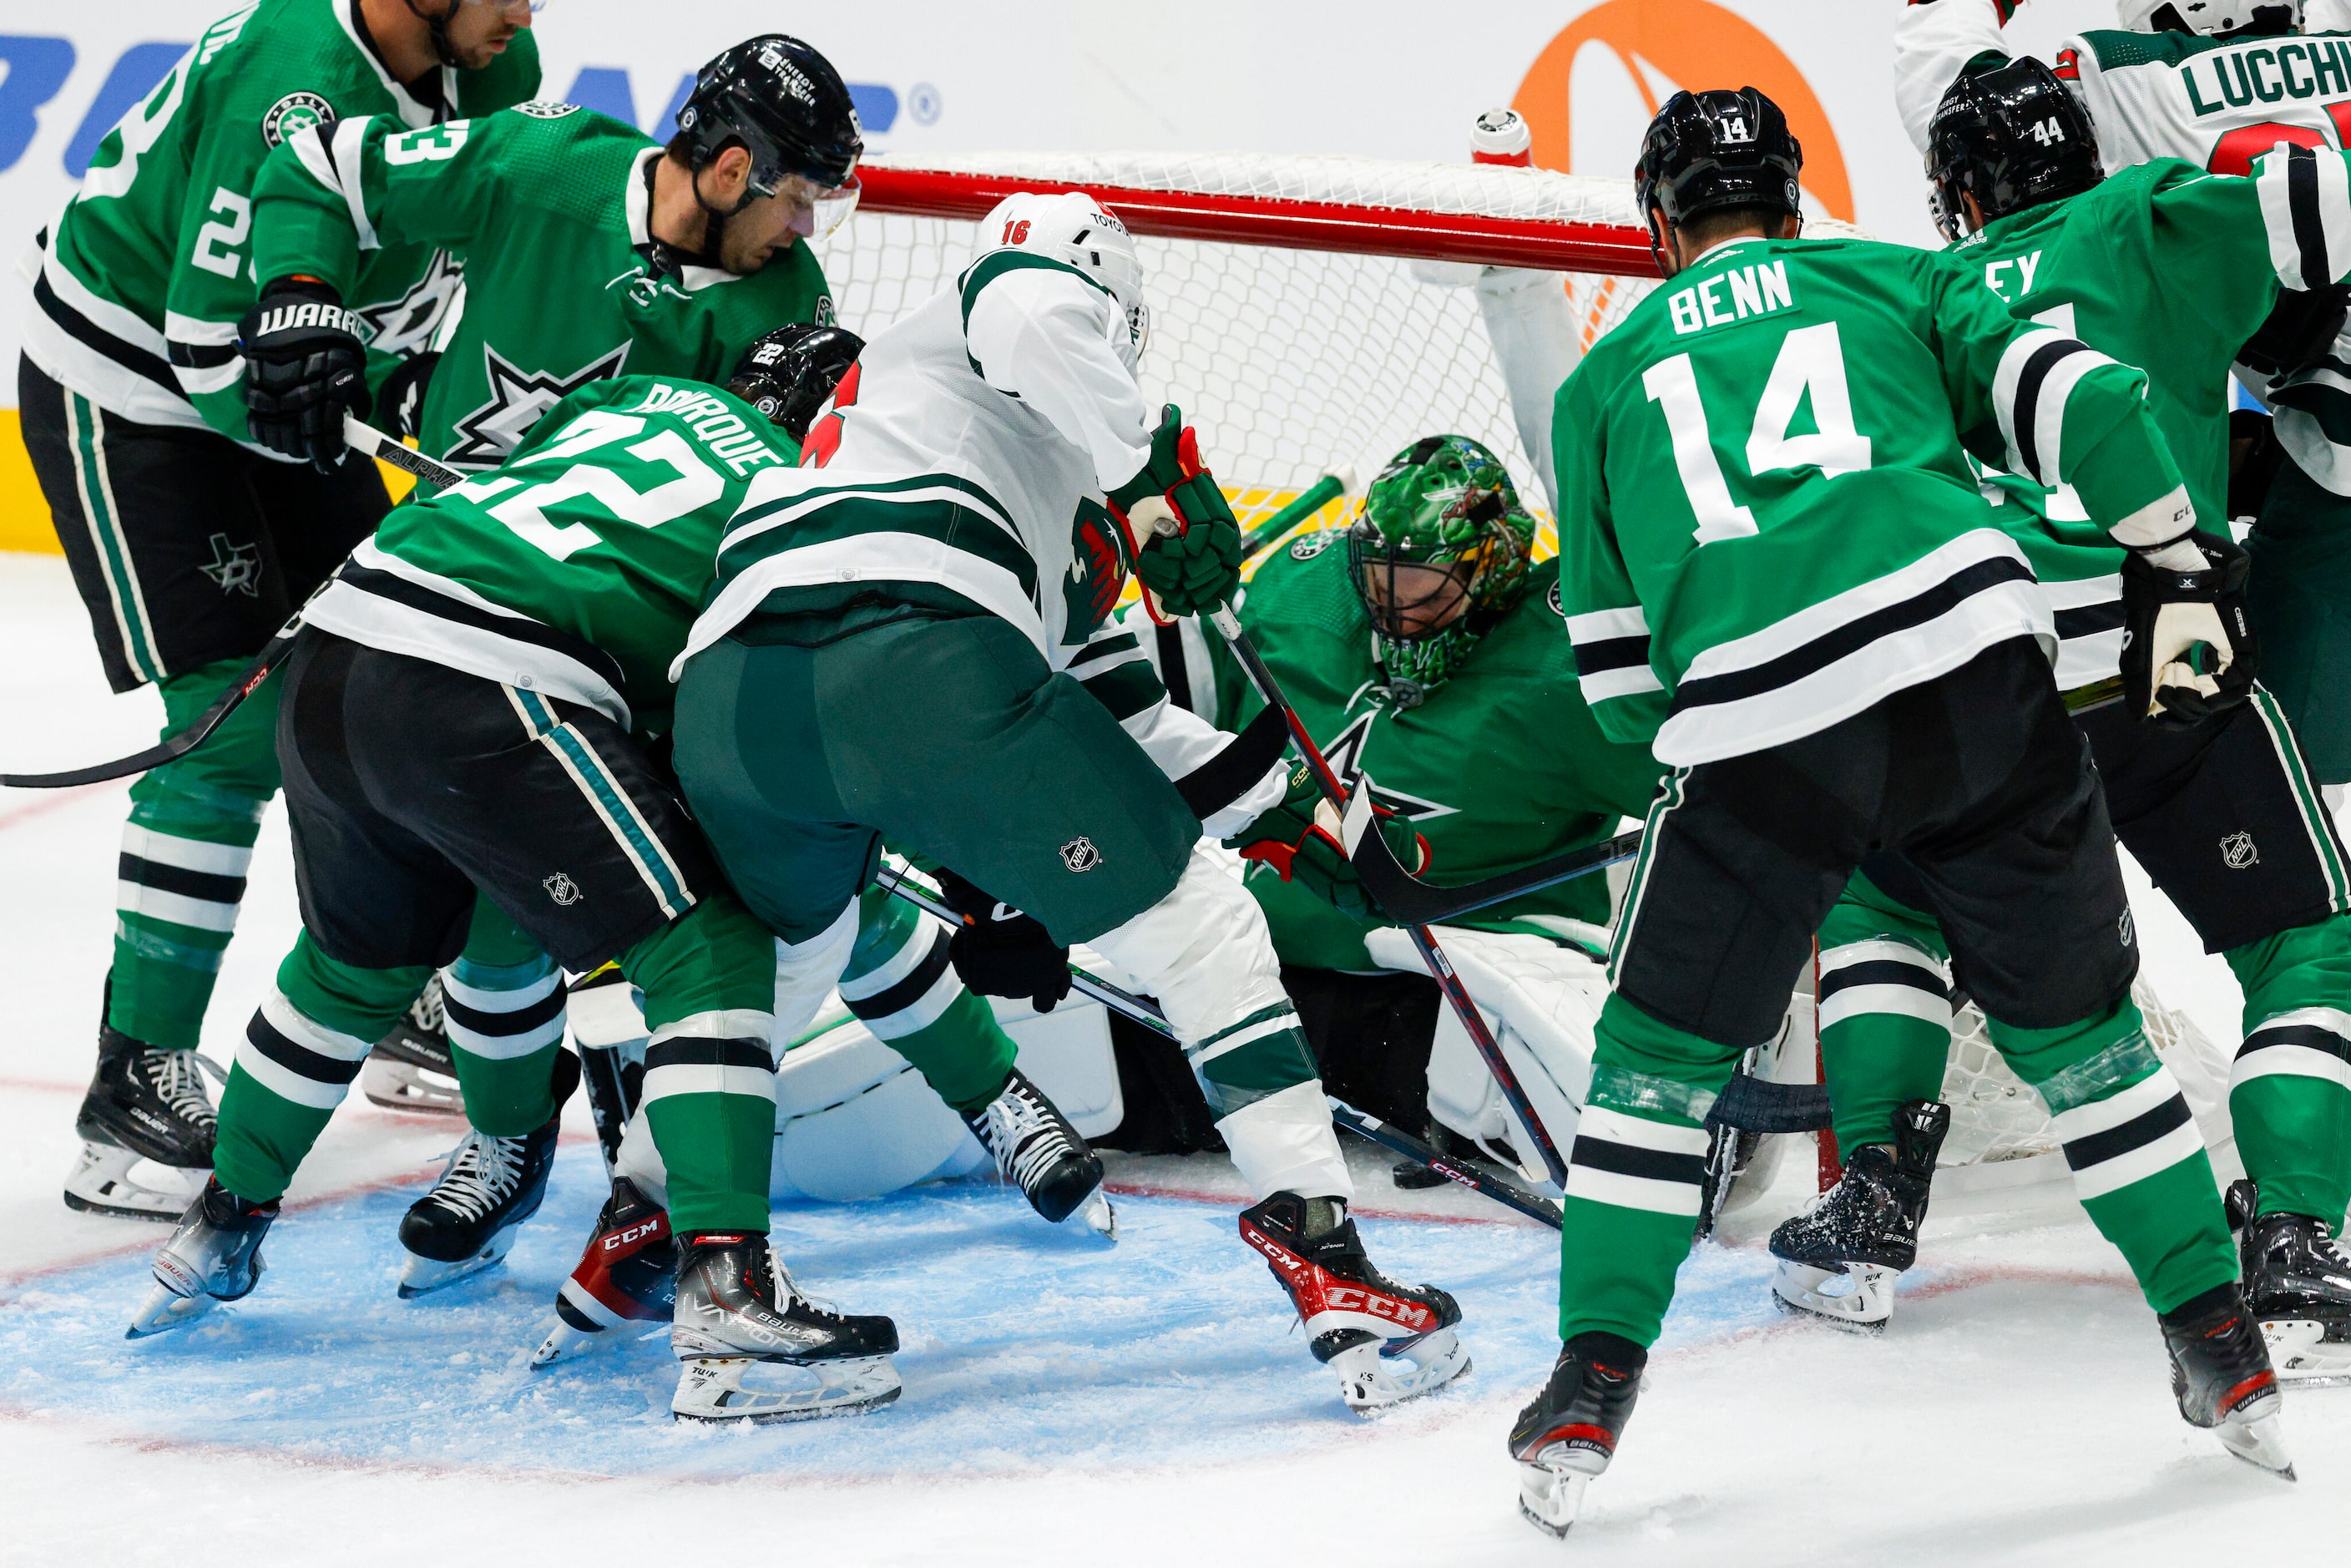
{"type": "Point", "coordinates": [1707, 151]}
{"type": "Point", "coordinates": [788, 373]}
{"type": "Point", "coordinates": [2013, 136]}
{"type": "Point", "coordinates": [785, 103]}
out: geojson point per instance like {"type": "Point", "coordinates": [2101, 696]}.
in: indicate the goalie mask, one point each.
{"type": "Point", "coordinates": [1073, 229]}
{"type": "Point", "coordinates": [1439, 554]}
{"type": "Point", "coordinates": [2012, 137]}
{"type": "Point", "coordinates": [2212, 19]}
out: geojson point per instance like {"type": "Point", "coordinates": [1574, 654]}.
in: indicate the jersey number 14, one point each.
{"type": "Point", "coordinates": [1810, 362]}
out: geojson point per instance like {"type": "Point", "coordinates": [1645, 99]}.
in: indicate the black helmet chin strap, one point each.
{"type": "Point", "coordinates": [714, 218]}
{"type": "Point", "coordinates": [437, 27]}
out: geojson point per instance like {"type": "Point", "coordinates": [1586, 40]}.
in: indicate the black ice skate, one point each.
{"type": "Point", "coordinates": [1569, 1434]}
{"type": "Point", "coordinates": [628, 1274]}
{"type": "Point", "coordinates": [411, 1068]}
{"type": "Point", "coordinates": [2298, 1286]}
{"type": "Point", "coordinates": [1839, 1257]}
{"type": "Point", "coordinates": [468, 1221]}
{"type": "Point", "coordinates": [1035, 1147]}
{"type": "Point", "coordinates": [144, 1105]}
{"type": "Point", "coordinates": [1388, 1343]}
{"type": "Point", "coordinates": [214, 1256]}
{"type": "Point", "coordinates": [740, 1322]}
{"type": "Point", "coordinates": [2221, 1375]}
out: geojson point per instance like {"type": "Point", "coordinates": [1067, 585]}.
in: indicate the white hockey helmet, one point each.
{"type": "Point", "coordinates": [1073, 228]}
{"type": "Point", "coordinates": [2209, 17]}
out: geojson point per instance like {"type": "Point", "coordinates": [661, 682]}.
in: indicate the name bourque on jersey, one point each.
{"type": "Point", "coordinates": [575, 568]}
{"type": "Point", "coordinates": [2218, 104]}
{"type": "Point", "coordinates": [149, 267]}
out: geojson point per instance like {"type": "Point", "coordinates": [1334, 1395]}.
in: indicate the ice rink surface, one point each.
{"type": "Point", "coordinates": [1064, 1401]}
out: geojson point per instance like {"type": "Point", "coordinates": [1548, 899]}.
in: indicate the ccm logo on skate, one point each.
{"type": "Point", "coordinates": [1355, 1298]}
{"type": "Point", "coordinates": [623, 1240]}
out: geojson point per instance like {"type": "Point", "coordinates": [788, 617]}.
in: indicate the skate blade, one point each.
{"type": "Point", "coordinates": [562, 1343]}
{"type": "Point", "coordinates": [421, 1276]}
{"type": "Point", "coordinates": [165, 1309]}
{"type": "Point", "coordinates": [1097, 1215]}
{"type": "Point", "coordinates": [1371, 1382]}
{"type": "Point", "coordinates": [404, 1086]}
{"type": "Point", "coordinates": [1551, 1497]}
{"type": "Point", "coordinates": [101, 1182]}
{"type": "Point", "coordinates": [2258, 1442]}
{"type": "Point", "coordinates": [711, 1391]}
{"type": "Point", "coordinates": [2303, 1355]}
{"type": "Point", "coordinates": [1862, 1305]}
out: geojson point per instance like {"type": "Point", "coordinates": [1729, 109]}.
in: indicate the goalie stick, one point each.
{"type": "Point", "coordinates": [1364, 1125]}
{"type": "Point", "coordinates": [361, 438]}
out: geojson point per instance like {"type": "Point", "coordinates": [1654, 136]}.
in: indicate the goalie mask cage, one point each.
{"type": "Point", "coordinates": [1313, 314]}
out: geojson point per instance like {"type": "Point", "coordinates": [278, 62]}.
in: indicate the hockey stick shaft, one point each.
{"type": "Point", "coordinates": [1509, 1195]}
{"type": "Point", "coordinates": [361, 437]}
{"type": "Point", "coordinates": [1148, 1015]}
{"type": "Point", "coordinates": [1309, 501]}
{"type": "Point", "coordinates": [1424, 941]}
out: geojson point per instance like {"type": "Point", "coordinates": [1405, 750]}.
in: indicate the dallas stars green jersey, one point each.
{"type": "Point", "coordinates": [148, 269]}
{"type": "Point", "coordinates": [2169, 268]}
{"type": "Point", "coordinates": [576, 569]}
{"type": "Point", "coordinates": [547, 205]}
{"type": "Point", "coordinates": [1501, 765]}
{"type": "Point", "coordinates": [1767, 522]}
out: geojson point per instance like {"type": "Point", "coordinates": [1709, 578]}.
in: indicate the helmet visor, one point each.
{"type": "Point", "coordinates": [817, 209]}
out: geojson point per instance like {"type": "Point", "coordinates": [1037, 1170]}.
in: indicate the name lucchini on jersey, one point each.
{"type": "Point", "coordinates": [2290, 69]}
{"type": "Point", "coordinates": [1731, 295]}
{"type": "Point", "coordinates": [716, 426]}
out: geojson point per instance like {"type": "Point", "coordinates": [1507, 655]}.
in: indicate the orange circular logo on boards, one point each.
{"type": "Point", "coordinates": [1687, 44]}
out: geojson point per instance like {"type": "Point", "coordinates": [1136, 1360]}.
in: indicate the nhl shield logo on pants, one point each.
{"type": "Point", "coordinates": [1080, 854]}
{"type": "Point", "coordinates": [2239, 853]}
{"type": "Point", "coordinates": [562, 888]}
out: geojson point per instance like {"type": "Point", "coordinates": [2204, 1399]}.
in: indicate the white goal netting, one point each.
{"type": "Point", "coordinates": [1291, 362]}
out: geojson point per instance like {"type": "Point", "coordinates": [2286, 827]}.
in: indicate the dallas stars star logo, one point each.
{"type": "Point", "coordinates": [407, 325]}
{"type": "Point", "coordinates": [517, 398]}
{"type": "Point", "coordinates": [235, 567]}
{"type": "Point", "coordinates": [1345, 753]}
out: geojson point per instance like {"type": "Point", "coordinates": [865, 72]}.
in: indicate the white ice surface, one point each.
{"type": "Point", "coordinates": [2016, 1411]}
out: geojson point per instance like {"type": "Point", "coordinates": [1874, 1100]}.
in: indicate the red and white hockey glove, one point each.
{"type": "Point", "coordinates": [1180, 531]}
{"type": "Point", "coordinates": [1301, 840]}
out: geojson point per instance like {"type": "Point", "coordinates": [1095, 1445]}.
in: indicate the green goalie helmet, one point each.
{"type": "Point", "coordinates": [1438, 557]}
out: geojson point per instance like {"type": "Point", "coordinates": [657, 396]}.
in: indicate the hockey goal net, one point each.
{"type": "Point", "coordinates": [1311, 314]}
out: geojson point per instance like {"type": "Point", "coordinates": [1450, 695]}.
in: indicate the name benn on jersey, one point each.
{"type": "Point", "coordinates": [517, 398]}
{"type": "Point", "coordinates": [1731, 295]}
{"type": "Point", "coordinates": [716, 426]}
{"type": "Point", "coordinates": [2292, 68]}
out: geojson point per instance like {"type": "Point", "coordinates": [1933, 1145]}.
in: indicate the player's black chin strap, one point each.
{"type": "Point", "coordinates": [438, 27]}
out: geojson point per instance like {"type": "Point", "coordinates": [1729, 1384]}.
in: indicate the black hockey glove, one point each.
{"type": "Point", "coordinates": [2188, 646]}
{"type": "Point", "coordinates": [1000, 952]}
{"type": "Point", "coordinates": [400, 401]}
{"type": "Point", "coordinates": [1186, 542]}
{"type": "Point", "coordinates": [2254, 457]}
{"type": "Point", "coordinates": [1301, 840]}
{"type": "Point", "coordinates": [305, 368]}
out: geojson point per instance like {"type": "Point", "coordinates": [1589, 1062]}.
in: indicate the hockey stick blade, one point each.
{"type": "Point", "coordinates": [1509, 1195]}
{"type": "Point", "coordinates": [1416, 902]}
{"type": "Point", "coordinates": [178, 744]}
{"type": "Point", "coordinates": [368, 442]}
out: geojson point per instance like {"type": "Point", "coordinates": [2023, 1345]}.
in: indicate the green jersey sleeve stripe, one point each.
{"type": "Point", "coordinates": [757, 511]}
{"type": "Point", "coordinates": [2036, 376]}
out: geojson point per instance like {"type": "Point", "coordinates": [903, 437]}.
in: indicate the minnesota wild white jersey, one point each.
{"type": "Point", "coordinates": [1768, 521]}
{"type": "Point", "coordinates": [2216, 103]}
{"type": "Point", "coordinates": [147, 270]}
{"type": "Point", "coordinates": [576, 569]}
{"type": "Point", "coordinates": [970, 447]}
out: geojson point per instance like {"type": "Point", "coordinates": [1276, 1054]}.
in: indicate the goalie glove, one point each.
{"type": "Point", "coordinates": [1180, 531]}
{"type": "Point", "coordinates": [305, 368]}
{"type": "Point", "coordinates": [2188, 645]}
{"type": "Point", "coordinates": [1301, 840]}
{"type": "Point", "coordinates": [998, 951]}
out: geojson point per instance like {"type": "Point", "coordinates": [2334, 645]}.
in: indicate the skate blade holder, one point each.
{"type": "Point", "coordinates": [1096, 1214]}
{"type": "Point", "coordinates": [166, 1308]}
{"type": "Point", "coordinates": [420, 1275]}
{"type": "Point", "coordinates": [2304, 1357]}
{"type": "Point", "coordinates": [1551, 1486]}
{"type": "Point", "coordinates": [2260, 1442]}
{"type": "Point", "coordinates": [123, 1184]}
{"type": "Point", "coordinates": [745, 1390]}
{"type": "Point", "coordinates": [1859, 1297]}
{"type": "Point", "coordinates": [399, 1085]}
{"type": "Point", "coordinates": [1377, 1375]}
